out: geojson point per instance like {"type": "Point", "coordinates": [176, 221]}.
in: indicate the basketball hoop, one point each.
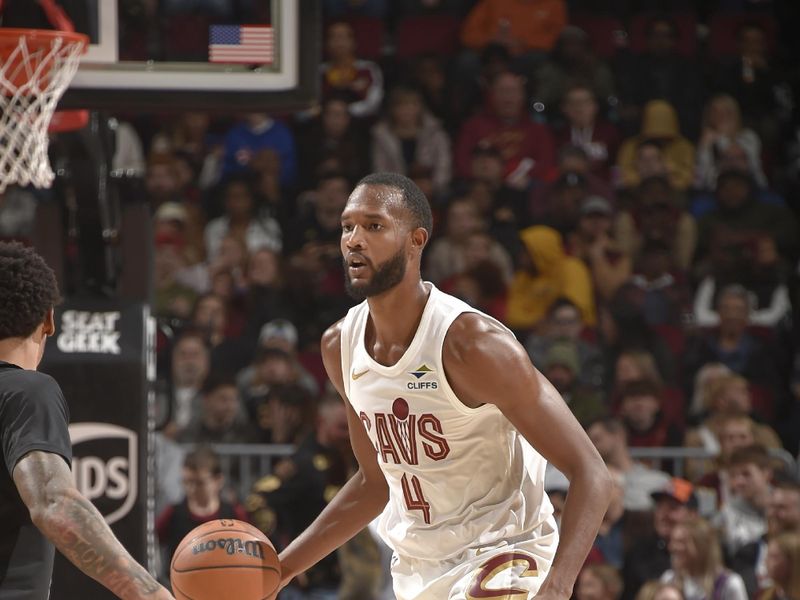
{"type": "Point", "coordinates": [36, 67]}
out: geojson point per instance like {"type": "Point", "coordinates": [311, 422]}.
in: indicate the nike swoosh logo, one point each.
{"type": "Point", "coordinates": [359, 375]}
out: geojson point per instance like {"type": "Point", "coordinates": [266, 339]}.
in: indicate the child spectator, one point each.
{"type": "Point", "coordinates": [743, 518]}
{"type": "Point", "coordinates": [203, 484]}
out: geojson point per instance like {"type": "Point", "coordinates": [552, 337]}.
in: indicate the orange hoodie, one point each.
{"type": "Point", "coordinates": [535, 23]}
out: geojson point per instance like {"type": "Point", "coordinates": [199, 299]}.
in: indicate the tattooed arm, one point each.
{"type": "Point", "coordinates": [78, 530]}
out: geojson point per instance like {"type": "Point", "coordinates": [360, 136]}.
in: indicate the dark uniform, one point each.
{"type": "Point", "coordinates": [33, 416]}
{"type": "Point", "coordinates": [284, 504]}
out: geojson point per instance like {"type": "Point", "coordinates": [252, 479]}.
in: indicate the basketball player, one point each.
{"type": "Point", "coordinates": [39, 505]}
{"type": "Point", "coordinates": [451, 425]}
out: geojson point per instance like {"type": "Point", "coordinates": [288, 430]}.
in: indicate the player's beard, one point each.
{"type": "Point", "coordinates": [384, 277]}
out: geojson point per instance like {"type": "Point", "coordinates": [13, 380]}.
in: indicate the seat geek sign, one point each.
{"type": "Point", "coordinates": [88, 332]}
{"type": "Point", "coordinates": [100, 355]}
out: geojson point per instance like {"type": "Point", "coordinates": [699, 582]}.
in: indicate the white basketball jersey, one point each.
{"type": "Point", "coordinates": [458, 477]}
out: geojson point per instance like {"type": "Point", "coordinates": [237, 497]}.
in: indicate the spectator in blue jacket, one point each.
{"type": "Point", "coordinates": [258, 132]}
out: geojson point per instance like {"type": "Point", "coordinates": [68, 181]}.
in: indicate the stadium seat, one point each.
{"type": "Point", "coordinates": [686, 23]}
{"type": "Point", "coordinates": [606, 34]}
{"type": "Point", "coordinates": [724, 32]}
{"type": "Point", "coordinates": [427, 34]}
{"type": "Point", "coordinates": [370, 34]}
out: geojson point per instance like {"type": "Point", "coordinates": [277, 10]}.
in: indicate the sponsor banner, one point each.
{"type": "Point", "coordinates": [104, 467]}
{"type": "Point", "coordinates": [100, 356]}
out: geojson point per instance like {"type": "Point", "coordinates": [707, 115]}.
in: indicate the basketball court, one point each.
{"type": "Point", "coordinates": [67, 66]}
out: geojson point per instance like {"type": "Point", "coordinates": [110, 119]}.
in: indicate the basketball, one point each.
{"type": "Point", "coordinates": [225, 559]}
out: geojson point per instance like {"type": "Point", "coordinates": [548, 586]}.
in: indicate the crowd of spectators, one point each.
{"type": "Point", "coordinates": [620, 188]}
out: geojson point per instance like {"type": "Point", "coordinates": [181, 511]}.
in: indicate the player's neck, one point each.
{"type": "Point", "coordinates": [23, 352]}
{"type": "Point", "coordinates": [396, 314]}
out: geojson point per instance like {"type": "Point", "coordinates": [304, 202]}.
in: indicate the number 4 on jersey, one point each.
{"type": "Point", "coordinates": [413, 496]}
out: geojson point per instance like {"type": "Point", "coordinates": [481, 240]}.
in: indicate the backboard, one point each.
{"type": "Point", "coordinates": [217, 55]}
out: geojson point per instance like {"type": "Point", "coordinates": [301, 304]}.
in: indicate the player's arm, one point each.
{"type": "Point", "coordinates": [77, 529]}
{"type": "Point", "coordinates": [361, 499]}
{"type": "Point", "coordinates": [485, 364]}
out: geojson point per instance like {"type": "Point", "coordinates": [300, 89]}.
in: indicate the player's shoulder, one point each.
{"type": "Point", "coordinates": [331, 342]}
{"type": "Point", "coordinates": [474, 335]}
{"type": "Point", "coordinates": [470, 328]}
{"type": "Point", "coordinates": [32, 382]}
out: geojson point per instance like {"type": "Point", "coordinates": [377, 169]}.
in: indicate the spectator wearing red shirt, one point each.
{"type": "Point", "coordinates": [526, 147]}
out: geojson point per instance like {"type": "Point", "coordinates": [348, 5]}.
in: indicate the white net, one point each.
{"type": "Point", "coordinates": [33, 76]}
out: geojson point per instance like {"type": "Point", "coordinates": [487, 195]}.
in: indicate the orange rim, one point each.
{"type": "Point", "coordinates": [37, 38]}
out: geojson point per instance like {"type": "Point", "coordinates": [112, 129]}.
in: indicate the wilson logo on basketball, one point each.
{"type": "Point", "coordinates": [230, 546]}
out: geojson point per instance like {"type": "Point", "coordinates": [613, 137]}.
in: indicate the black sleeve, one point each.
{"type": "Point", "coordinates": [35, 417]}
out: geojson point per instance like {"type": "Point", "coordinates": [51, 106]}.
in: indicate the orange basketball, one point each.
{"type": "Point", "coordinates": [225, 559]}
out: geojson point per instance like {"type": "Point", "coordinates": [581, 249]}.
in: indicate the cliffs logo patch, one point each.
{"type": "Point", "coordinates": [105, 467]}
{"type": "Point", "coordinates": [421, 371]}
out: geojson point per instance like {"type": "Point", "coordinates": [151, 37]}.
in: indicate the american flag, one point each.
{"type": "Point", "coordinates": [248, 44]}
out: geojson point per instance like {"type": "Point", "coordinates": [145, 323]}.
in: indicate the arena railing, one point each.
{"type": "Point", "coordinates": [679, 456]}
{"type": "Point", "coordinates": [244, 464]}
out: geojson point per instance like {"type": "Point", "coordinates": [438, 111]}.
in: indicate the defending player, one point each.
{"type": "Point", "coordinates": [39, 504]}
{"type": "Point", "coordinates": [445, 410]}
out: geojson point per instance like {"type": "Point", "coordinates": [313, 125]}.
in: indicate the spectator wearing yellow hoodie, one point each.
{"type": "Point", "coordinates": [659, 125]}
{"type": "Point", "coordinates": [545, 274]}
